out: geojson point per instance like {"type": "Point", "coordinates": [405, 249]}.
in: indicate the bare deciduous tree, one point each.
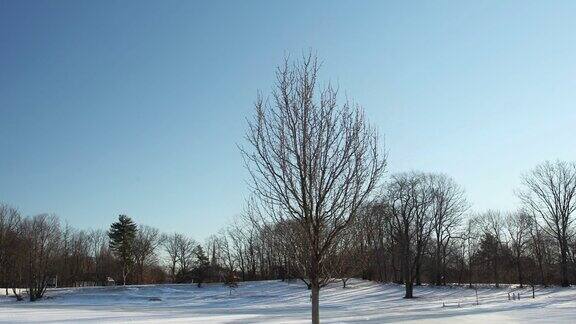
{"type": "Point", "coordinates": [408, 200]}
{"type": "Point", "coordinates": [185, 246]}
{"type": "Point", "coordinates": [10, 220]}
{"type": "Point", "coordinates": [41, 243]}
{"type": "Point", "coordinates": [180, 251]}
{"type": "Point", "coordinates": [518, 228]}
{"type": "Point", "coordinates": [349, 256]}
{"type": "Point", "coordinates": [470, 237]}
{"type": "Point", "coordinates": [549, 191]}
{"type": "Point", "coordinates": [448, 205]}
{"type": "Point", "coordinates": [170, 244]}
{"type": "Point", "coordinates": [312, 161]}
{"type": "Point", "coordinates": [145, 245]}
{"type": "Point", "coordinates": [539, 248]}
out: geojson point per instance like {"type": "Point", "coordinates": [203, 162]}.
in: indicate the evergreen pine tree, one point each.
{"type": "Point", "coordinates": [122, 234]}
{"type": "Point", "coordinates": [203, 265]}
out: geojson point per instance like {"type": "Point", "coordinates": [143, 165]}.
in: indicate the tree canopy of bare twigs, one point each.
{"type": "Point", "coordinates": [448, 205]}
{"type": "Point", "coordinates": [408, 201]}
{"type": "Point", "coordinates": [311, 160]}
{"type": "Point", "coordinates": [549, 191]}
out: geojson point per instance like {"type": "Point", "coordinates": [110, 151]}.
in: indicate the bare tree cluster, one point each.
{"type": "Point", "coordinates": [549, 193]}
{"type": "Point", "coordinates": [37, 252]}
{"type": "Point", "coordinates": [419, 229]}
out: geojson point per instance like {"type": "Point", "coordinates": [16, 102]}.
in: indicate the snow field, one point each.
{"type": "Point", "coordinates": [278, 302]}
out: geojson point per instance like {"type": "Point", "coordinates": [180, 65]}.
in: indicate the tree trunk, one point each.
{"type": "Point", "coordinates": [408, 278]}
{"type": "Point", "coordinates": [461, 272]}
{"type": "Point", "coordinates": [496, 274]}
{"type": "Point", "coordinates": [418, 275]}
{"type": "Point", "coordinates": [443, 270]}
{"type": "Point", "coordinates": [124, 274]}
{"type": "Point", "coordinates": [384, 268]}
{"type": "Point", "coordinates": [520, 277]}
{"type": "Point", "coordinates": [409, 289]}
{"type": "Point", "coordinates": [396, 278]}
{"type": "Point", "coordinates": [315, 303]}
{"type": "Point", "coordinates": [18, 294]}
{"type": "Point", "coordinates": [437, 266]}
{"type": "Point", "coordinates": [470, 275]}
{"type": "Point", "coordinates": [541, 270]}
{"type": "Point", "coordinates": [564, 266]}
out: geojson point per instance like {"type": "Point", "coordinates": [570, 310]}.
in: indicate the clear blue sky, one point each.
{"type": "Point", "coordinates": [110, 107]}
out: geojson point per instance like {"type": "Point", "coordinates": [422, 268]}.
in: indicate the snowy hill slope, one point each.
{"type": "Point", "coordinates": [273, 301]}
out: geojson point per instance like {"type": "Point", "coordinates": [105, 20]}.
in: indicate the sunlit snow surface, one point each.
{"type": "Point", "coordinates": [277, 302]}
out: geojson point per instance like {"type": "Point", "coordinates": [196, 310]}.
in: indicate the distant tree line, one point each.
{"type": "Point", "coordinates": [420, 230]}
{"type": "Point", "coordinates": [39, 252]}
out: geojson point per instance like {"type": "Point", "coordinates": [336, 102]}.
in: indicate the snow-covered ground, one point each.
{"type": "Point", "coordinates": [277, 302]}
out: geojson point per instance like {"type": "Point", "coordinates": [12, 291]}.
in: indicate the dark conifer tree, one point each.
{"type": "Point", "coordinates": [122, 234]}
{"type": "Point", "coordinates": [203, 267]}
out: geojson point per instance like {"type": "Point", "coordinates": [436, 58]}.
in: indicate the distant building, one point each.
{"type": "Point", "coordinates": [110, 281]}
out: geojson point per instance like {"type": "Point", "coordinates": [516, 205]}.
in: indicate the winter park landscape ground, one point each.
{"type": "Point", "coordinates": [277, 302]}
